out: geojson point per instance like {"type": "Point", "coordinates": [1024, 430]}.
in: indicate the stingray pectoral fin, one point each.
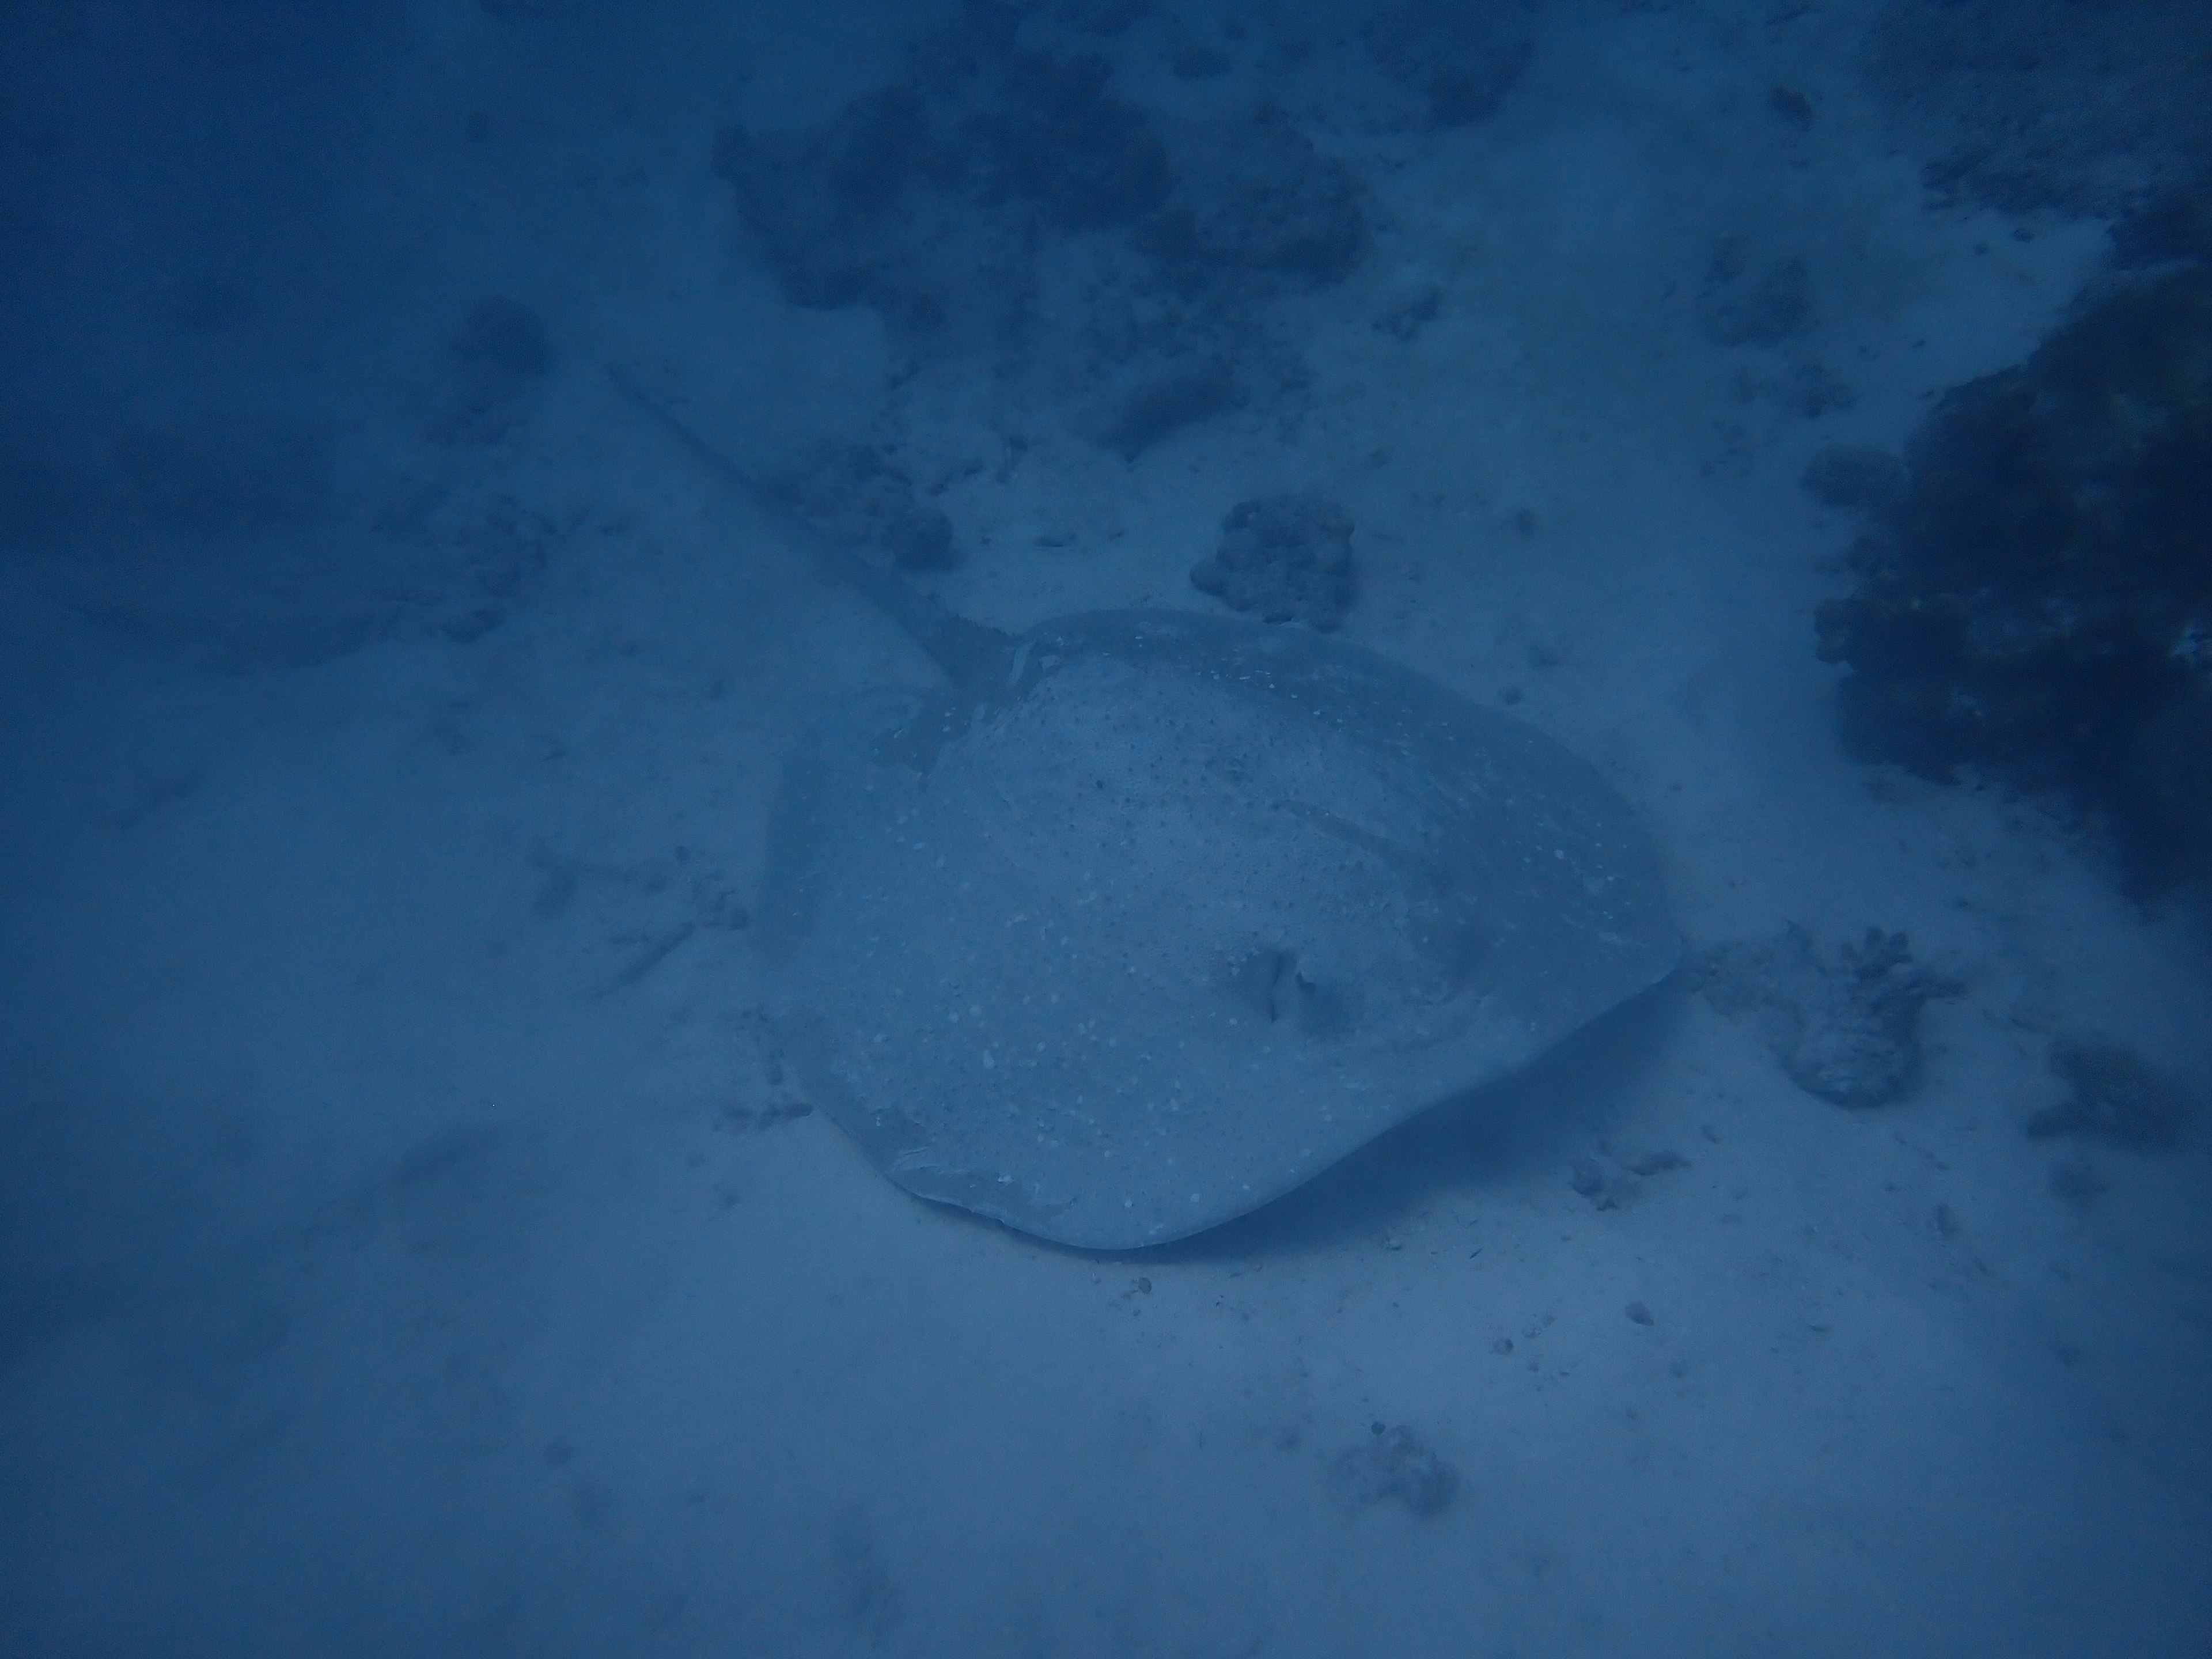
{"type": "Point", "coordinates": [1001, 1197]}
{"type": "Point", "coordinates": [903, 1148]}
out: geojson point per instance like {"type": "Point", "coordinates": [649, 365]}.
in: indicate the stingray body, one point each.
{"type": "Point", "coordinates": [1143, 918]}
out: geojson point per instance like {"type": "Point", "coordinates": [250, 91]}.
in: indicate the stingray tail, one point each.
{"type": "Point", "coordinates": [977, 657]}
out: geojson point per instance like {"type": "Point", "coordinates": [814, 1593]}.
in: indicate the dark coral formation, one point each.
{"type": "Point", "coordinates": [1845, 1028]}
{"type": "Point", "coordinates": [2112, 1097]}
{"type": "Point", "coordinates": [1254, 199]}
{"type": "Point", "coordinates": [2039, 601]}
{"type": "Point", "coordinates": [1612, 1183]}
{"type": "Point", "coordinates": [1285, 558]}
{"type": "Point", "coordinates": [894, 202]}
{"type": "Point", "coordinates": [984, 147]}
{"type": "Point", "coordinates": [1858, 475]}
{"type": "Point", "coordinates": [1394, 1465]}
{"type": "Point", "coordinates": [1004, 203]}
{"type": "Point", "coordinates": [1464, 59]}
{"type": "Point", "coordinates": [2171, 224]}
{"type": "Point", "coordinates": [2028, 104]}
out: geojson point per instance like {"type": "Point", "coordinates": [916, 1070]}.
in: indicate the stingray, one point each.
{"type": "Point", "coordinates": [1140, 919]}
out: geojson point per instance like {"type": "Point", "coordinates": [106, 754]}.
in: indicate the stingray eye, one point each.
{"type": "Point", "coordinates": [1259, 984]}
{"type": "Point", "coordinates": [1270, 991]}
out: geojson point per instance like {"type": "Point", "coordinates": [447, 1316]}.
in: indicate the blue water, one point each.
{"type": "Point", "coordinates": [413, 1237]}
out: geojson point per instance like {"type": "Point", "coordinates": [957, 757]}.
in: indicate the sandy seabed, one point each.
{"type": "Point", "coordinates": [414, 1245]}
